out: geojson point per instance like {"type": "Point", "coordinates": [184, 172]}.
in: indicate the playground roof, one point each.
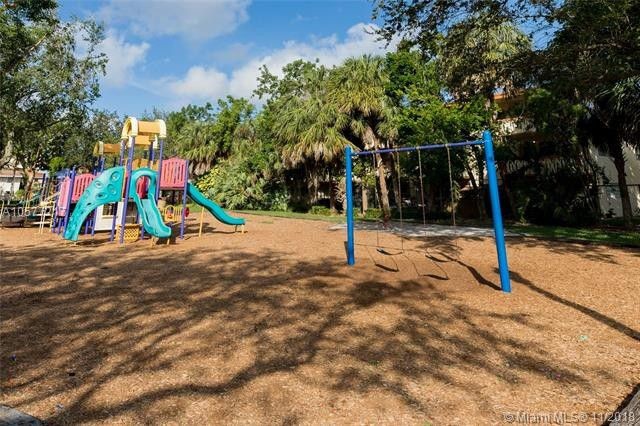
{"type": "Point", "coordinates": [145, 132]}
{"type": "Point", "coordinates": [102, 148]}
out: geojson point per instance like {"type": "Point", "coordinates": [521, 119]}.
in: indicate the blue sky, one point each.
{"type": "Point", "coordinates": [167, 53]}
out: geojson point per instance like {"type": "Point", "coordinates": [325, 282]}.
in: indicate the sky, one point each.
{"type": "Point", "coordinates": [168, 53]}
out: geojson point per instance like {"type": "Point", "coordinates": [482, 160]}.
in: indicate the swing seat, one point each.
{"type": "Point", "coordinates": [386, 253]}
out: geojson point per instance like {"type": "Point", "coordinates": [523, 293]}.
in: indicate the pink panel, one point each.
{"type": "Point", "coordinates": [64, 196]}
{"type": "Point", "coordinates": [80, 184]}
{"type": "Point", "coordinates": [173, 173]}
{"type": "Point", "coordinates": [142, 185]}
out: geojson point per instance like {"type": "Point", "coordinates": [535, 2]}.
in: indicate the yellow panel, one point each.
{"type": "Point", "coordinates": [107, 148]}
{"type": "Point", "coordinates": [142, 140]}
{"type": "Point", "coordinates": [133, 127]}
{"type": "Point", "coordinates": [130, 128]}
{"type": "Point", "coordinates": [141, 162]}
{"type": "Point", "coordinates": [148, 127]}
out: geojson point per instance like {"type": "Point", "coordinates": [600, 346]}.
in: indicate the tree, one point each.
{"type": "Point", "coordinates": [308, 125]}
{"type": "Point", "coordinates": [48, 93]}
{"type": "Point", "coordinates": [205, 136]}
{"type": "Point", "coordinates": [303, 123]}
{"type": "Point", "coordinates": [592, 50]}
{"type": "Point", "coordinates": [479, 60]}
{"type": "Point", "coordinates": [251, 176]}
{"type": "Point", "coordinates": [98, 126]}
{"type": "Point", "coordinates": [594, 59]}
{"type": "Point", "coordinates": [424, 22]}
{"type": "Point", "coordinates": [357, 89]}
{"type": "Point", "coordinates": [47, 81]}
{"type": "Point", "coordinates": [417, 90]}
{"type": "Point", "coordinates": [612, 124]}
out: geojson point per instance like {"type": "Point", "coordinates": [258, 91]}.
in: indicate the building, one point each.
{"type": "Point", "coordinates": [515, 125]}
{"type": "Point", "coordinates": [11, 180]}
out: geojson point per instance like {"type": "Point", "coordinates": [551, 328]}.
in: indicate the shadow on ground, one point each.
{"type": "Point", "coordinates": [100, 318]}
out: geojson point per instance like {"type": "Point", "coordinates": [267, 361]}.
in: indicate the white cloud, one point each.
{"type": "Point", "coordinates": [192, 19]}
{"type": "Point", "coordinates": [123, 58]}
{"type": "Point", "coordinates": [199, 83]}
{"type": "Point", "coordinates": [208, 83]}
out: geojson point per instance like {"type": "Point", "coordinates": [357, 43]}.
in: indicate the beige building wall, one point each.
{"type": "Point", "coordinates": [609, 192]}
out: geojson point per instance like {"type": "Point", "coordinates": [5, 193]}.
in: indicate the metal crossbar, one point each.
{"type": "Point", "coordinates": [417, 148]}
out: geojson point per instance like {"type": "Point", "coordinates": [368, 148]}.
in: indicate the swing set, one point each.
{"type": "Point", "coordinates": [487, 143]}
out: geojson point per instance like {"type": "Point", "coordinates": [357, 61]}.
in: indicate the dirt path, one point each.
{"type": "Point", "coordinates": [272, 327]}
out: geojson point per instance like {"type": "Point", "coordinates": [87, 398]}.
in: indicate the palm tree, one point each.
{"type": "Point", "coordinates": [478, 59]}
{"type": "Point", "coordinates": [309, 128]}
{"type": "Point", "coordinates": [357, 90]}
{"type": "Point", "coordinates": [196, 143]}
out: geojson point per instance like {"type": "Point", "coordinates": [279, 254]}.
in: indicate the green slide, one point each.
{"type": "Point", "coordinates": [217, 211]}
{"type": "Point", "coordinates": [106, 188]}
{"type": "Point", "coordinates": [147, 208]}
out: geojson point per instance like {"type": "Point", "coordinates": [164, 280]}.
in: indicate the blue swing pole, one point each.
{"type": "Point", "coordinates": [351, 260]}
{"type": "Point", "coordinates": [496, 212]}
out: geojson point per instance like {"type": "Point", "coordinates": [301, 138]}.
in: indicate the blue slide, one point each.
{"type": "Point", "coordinates": [217, 211]}
{"type": "Point", "coordinates": [147, 208]}
{"type": "Point", "coordinates": [106, 188]}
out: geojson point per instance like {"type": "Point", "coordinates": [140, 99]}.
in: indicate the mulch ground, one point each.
{"type": "Point", "coordinates": [272, 327]}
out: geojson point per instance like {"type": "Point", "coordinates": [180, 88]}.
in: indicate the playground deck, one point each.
{"type": "Point", "coordinates": [272, 327]}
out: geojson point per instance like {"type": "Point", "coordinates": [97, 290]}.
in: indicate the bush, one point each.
{"type": "Point", "coordinates": [320, 210]}
{"type": "Point", "coordinates": [557, 198]}
{"type": "Point", "coordinates": [373, 213]}
{"type": "Point", "coordinates": [277, 200]}
{"type": "Point", "coordinates": [242, 182]}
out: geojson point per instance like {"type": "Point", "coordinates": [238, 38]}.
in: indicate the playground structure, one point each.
{"type": "Point", "coordinates": [487, 143]}
{"type": "Point", "coordinates": [124, 198]}
{"type": "Point", "coordinates": [37, 209]}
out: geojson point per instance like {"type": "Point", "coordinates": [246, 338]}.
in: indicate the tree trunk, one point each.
{"type": "Point", "coordinates": [312, 185]}
{"type": "Point", "coordinates": [588, 164]}
{"type": "Point", "coordinates": [618, 161]}
{"type": "Point", "coordinates": [365, 199]}
{"type": "Point", "coordinates": [479, 158]}
{"type": "Point", "coordinates": [370, 139]}
{"type": "Point", "coordinates": [31, 177]}
{"type": "Point", "coordinates": [384, 192]}
{"type": "Point", "coordinates": [7, 153]}
{"type": "Point", "coordinates": [507, 191]}
{"type": "Point", "coordinates": [390, 164]}
{"type": "Point", "coordinates": [332, 195]}
{"type": "Point", "coordinates": [13, 179]}
{"type": "Point", "coordinates": [477, 191]}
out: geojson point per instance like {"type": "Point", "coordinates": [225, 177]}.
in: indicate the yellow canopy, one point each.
{"type": "Point", "coordinates": [150, 129]}
{"type": "Point", "coordinates": [101, 148]}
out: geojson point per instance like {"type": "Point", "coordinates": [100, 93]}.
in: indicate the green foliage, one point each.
{"type": "Point", "coordinates": [249, 178]}
{"type": "Point", "coordinates": [47, 81]}
{"type": "Point", "coordinates": [206, 136]}
{"type": "Point", "coordinates": [478, 58]}
{"type": "Point", "coordinates": [320, 210]}
{"type": "Point", "coordinates": [77, 149]}
{"type": "Point", "coordinates": [586, 74]}
{"type": "Point", "coordinates": [554, 197]}
{"type": "Point", "coordinates": [56, 164]}
{"type": "Point", "coordinates": [373, 213]}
